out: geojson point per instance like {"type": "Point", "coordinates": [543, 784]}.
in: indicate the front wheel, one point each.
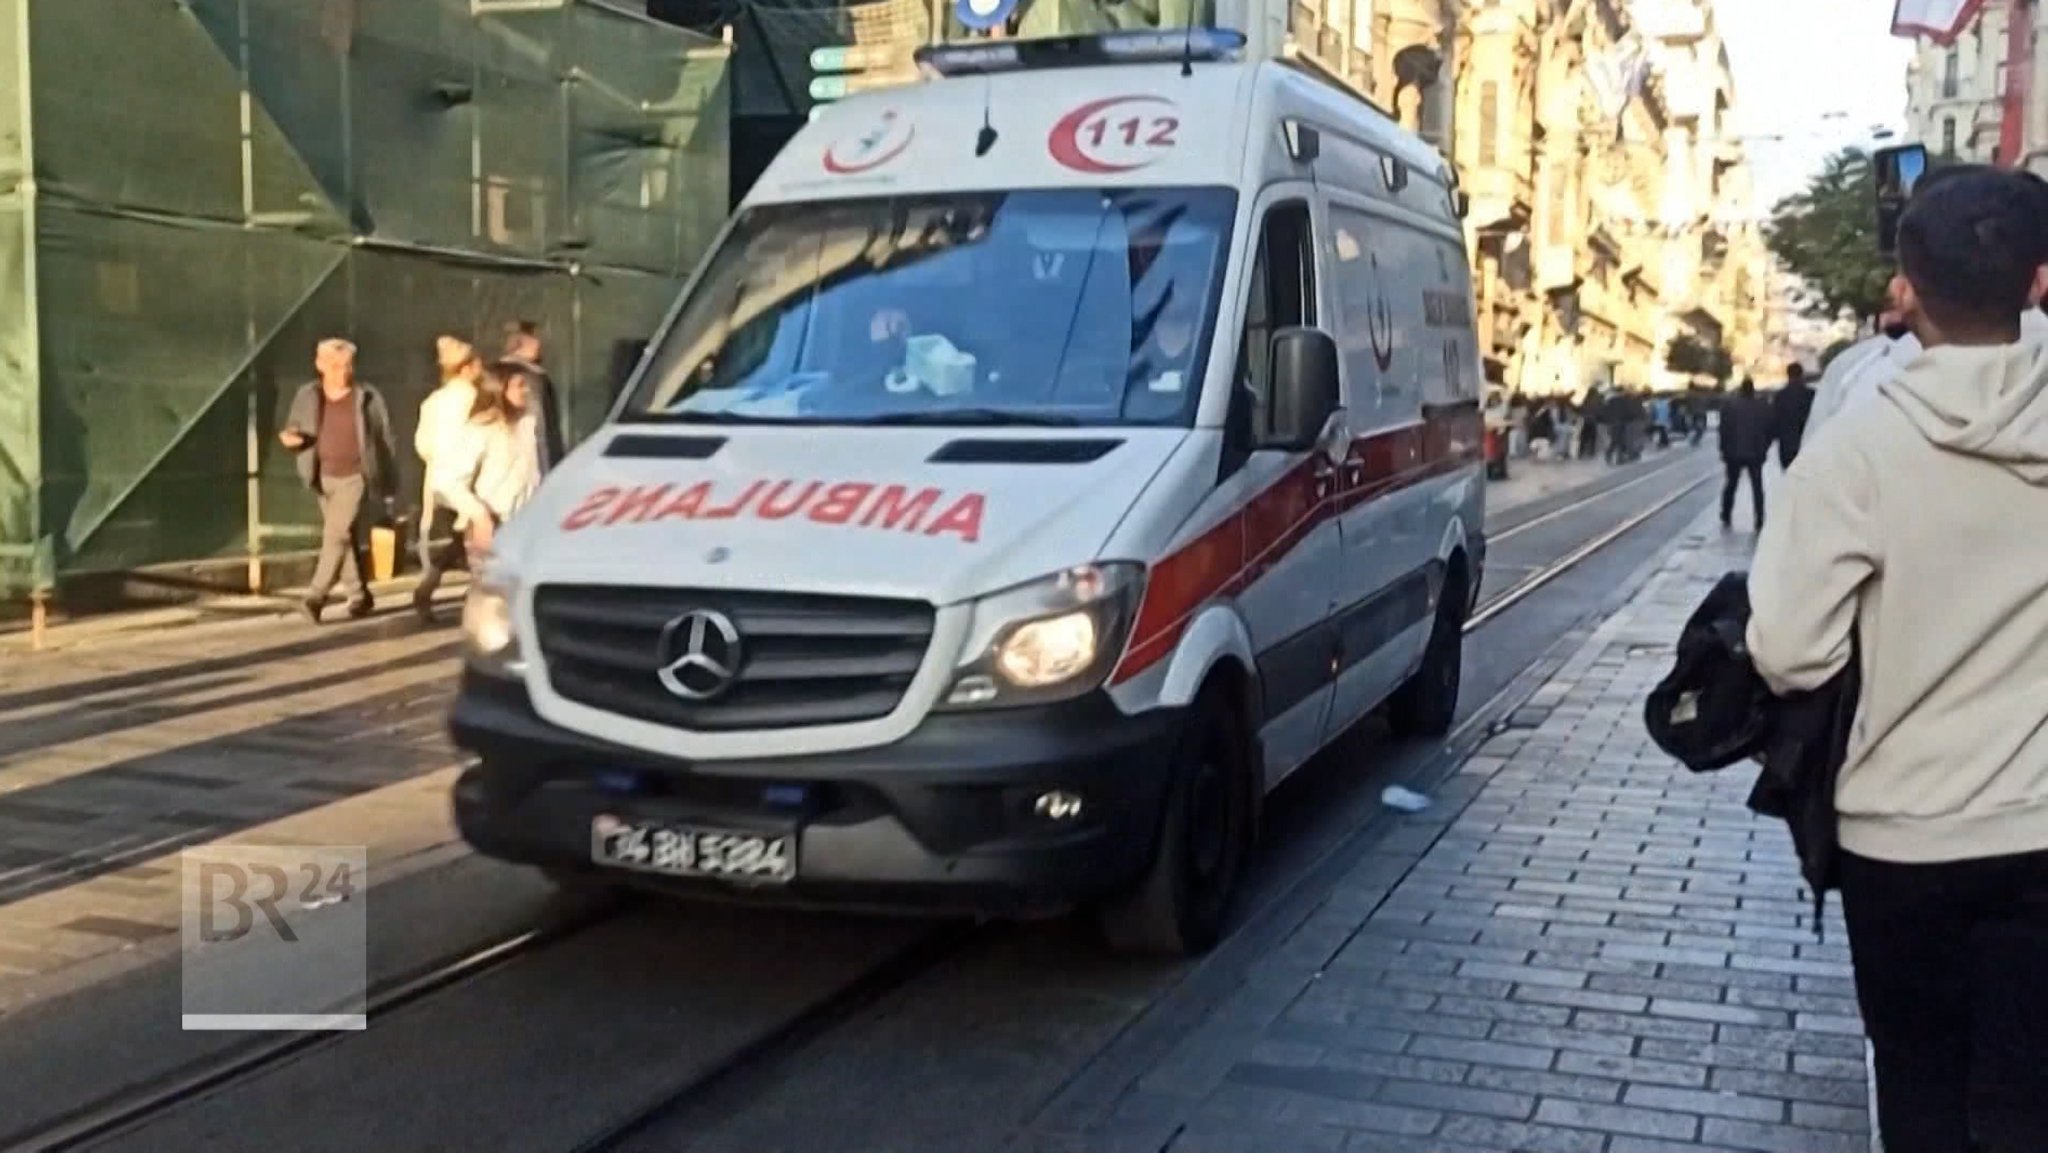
{"type": "Point", "coordinates": [1426, 704]}
{"type": "Point", "coordinates": [1181, 904]}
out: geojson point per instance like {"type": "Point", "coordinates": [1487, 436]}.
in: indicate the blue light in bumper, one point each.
{"type": "Point", "coordinates": [619, 781]}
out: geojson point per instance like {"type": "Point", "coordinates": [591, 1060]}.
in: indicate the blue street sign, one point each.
{"type": "Point", "coordinates": [982, 15]}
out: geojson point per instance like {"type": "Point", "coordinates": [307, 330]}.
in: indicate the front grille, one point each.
{"type": "Point", "coordinates": [805, 659]}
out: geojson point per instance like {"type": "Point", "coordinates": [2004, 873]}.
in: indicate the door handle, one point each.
{"type": "Point", "coordinates": [1354, 471]}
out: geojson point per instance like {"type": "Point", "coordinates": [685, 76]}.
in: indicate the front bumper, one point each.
{"type": "Point", "coordinates": [941, 821]}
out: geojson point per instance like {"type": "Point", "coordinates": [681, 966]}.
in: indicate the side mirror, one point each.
{"type": "Point", "coordinates": [1305, 393]}
{"type": "Point", "coordinates": [1897, 171]}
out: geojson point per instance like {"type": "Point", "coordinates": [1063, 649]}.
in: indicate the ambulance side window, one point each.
{"type": "Point", "coordinates": [1283, 295]}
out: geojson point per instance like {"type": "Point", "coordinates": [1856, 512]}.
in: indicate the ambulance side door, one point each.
{"type": "Point", "coordinates": [1292, 547]}
{"type": "Point", "coordinates": [1383, 600]}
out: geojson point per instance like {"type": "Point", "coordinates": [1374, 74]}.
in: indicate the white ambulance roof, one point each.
{"type": "Point", "coordinates": [1105, 126]}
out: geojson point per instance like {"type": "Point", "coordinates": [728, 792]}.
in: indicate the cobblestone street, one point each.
{"type": "Point", "coordinates": [1581, 948]}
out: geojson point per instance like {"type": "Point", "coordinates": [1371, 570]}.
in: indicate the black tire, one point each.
{"type": "Point", "coordinates": [1426, 704]}
{"type": "Point", "coordinates": [1181, 905]}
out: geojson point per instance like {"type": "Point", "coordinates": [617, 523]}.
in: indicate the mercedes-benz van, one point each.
{"type": "Point", "coordinates": [1046, 461]}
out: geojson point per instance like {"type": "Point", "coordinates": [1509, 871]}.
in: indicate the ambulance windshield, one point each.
{"type": "Point", "coordinates": [1053, 306]}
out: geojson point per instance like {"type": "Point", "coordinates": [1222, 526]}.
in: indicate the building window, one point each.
{"type": "Point", "coordinates": [1951, 66]}
{"type": "Point", "coordinates": [1948, 136]}
{"type": "Point", "coordinates": [1489, 124]}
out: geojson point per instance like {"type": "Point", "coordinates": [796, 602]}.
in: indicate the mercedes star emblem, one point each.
{"type": "Point", "coordinates": [699, 654]}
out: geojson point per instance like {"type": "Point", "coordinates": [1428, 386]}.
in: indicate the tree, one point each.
{"type": "Point", "coordinates": [1694, 357]}
{"type": "Point", "coordinates": [1827, 237]}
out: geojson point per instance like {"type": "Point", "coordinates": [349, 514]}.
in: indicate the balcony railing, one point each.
{"type": "Point", "coordinates": [1328, 45]}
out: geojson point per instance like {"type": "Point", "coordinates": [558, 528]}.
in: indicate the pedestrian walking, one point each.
{"type": "Point", "coordinates": [1661, 420]}
{"type": "Point", "coordinates": [1745, 445]}
{"type": "Point", "coordinates": [524, 354]}
{"type": "Point", "coordinates": [1542, 428]}
{"type": "Point", "coordinates": [492, 464]}
{"type": "Point", "coordinates": [1635, 424]}
{"type": "Point", "coordinates": [340, 431]}
{"type": "Point", "coordinates": [1907, 536]}
{"type": "Point", "coordinates": [442, 415]}
{"type": "Point", "coordinates": [1789, 410]}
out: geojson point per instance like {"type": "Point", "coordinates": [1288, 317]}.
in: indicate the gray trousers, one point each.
{"type": "Point", "coordinates": [341, 538]}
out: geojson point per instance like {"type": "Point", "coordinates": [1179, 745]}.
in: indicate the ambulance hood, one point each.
{"type": "Point", "coordinates": [939, 514]}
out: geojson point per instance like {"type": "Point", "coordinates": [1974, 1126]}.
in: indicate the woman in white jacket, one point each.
{"type": "Point", "coordinates": [490, 466]}
{"type": "Point", "coordinates": [442, 416]}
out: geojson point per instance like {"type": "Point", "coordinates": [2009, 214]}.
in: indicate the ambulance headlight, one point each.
{"type": "Point", "coordinates": [1047, 652]}
{"type": "Point", "coordinates": [490, 644]}
{"type": "Point", "coordinates": [1050, 639]}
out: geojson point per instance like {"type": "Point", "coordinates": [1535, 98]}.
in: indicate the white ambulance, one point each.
{"type": "Point", "coordinates": [1047, 460]}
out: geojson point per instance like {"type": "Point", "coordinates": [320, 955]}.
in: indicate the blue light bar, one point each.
{"type": "Point", "coordinates": [970, 59]}
{"type": "Point", "coordinates": [1165, 45]}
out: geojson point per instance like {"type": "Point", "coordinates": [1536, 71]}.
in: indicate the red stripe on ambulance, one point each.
{"type": "Point", "coordinates": [1228, 557]}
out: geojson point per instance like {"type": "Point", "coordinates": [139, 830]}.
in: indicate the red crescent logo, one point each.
{"type": "Point", "coordinates": [888, 152]}
{"type": "Point", "coordinates": [1379, 321]}
{"type": "Point", "coordinates": [1064, 141]}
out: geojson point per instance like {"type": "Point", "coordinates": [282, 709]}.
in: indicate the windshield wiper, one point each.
{"type": "Point", "coordinates": [973, 416]}
{"type": "Point", "coordinates": [716, 417]}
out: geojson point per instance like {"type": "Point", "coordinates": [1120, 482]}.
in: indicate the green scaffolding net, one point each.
{"type": "Point", "coordinates": [177, 233]}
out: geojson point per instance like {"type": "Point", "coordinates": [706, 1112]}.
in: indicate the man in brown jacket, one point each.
{"type": "Point", "coordinates": [340, 431]}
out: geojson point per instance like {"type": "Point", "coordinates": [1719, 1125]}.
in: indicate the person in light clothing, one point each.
{"type": "Point", "coordinates": [1856, 374]}
{"type": "Point", "coordinates": [442, 416]}
{"type": "Point", "coordinates": [491, 466]}
{"type": "Point", "coordinates": [524, 354]}
{"type": "Point", "coordinates": [1910, 534]}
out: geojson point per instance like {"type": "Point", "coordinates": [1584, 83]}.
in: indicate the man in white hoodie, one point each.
{"type": "Point", "coordinates": [1915, 527]}
{"type": "Point", "coordinates": [1860, 368]}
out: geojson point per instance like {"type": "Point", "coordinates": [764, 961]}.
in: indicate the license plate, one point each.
{"type": "Point", "coordinates": [689, 851]}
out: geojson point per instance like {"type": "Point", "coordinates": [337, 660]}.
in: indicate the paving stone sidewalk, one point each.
{"type": "Point", "coordinates": [116, 755]}
{"type": "Point", "coordinates": [1599, 953]}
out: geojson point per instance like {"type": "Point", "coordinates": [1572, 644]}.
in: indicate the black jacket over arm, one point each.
{"type": "Point", "coordinates": [1714, 709]}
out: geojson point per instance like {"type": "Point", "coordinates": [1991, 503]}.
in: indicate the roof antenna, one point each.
{"type": "Point", "coordinates": [1187, 48]}
{"type": "Point", "coordinates": [986, 138]}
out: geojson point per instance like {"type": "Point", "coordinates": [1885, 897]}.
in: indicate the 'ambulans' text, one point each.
{"type": "Point", "coordinates": [857, 504]}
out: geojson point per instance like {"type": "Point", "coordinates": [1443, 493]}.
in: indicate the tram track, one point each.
{"type": "Point", "coordinates": [133, 1112]}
